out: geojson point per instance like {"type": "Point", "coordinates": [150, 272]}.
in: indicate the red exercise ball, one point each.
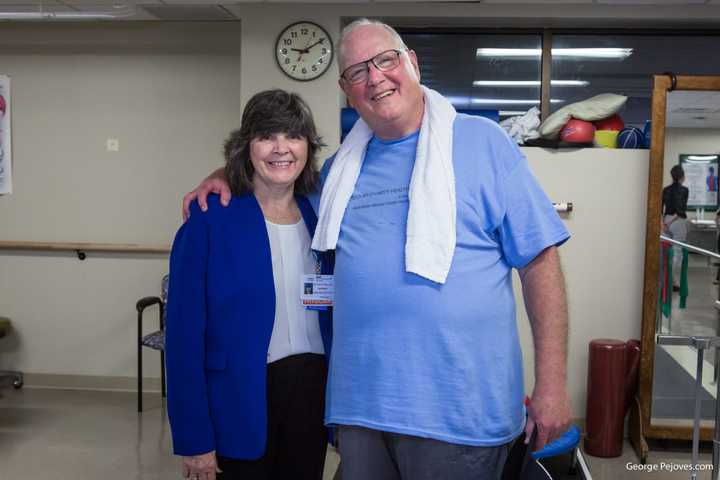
{"type": "Point", "coordinates": [577, 131]}
{"type": "Point", "coordinates": [3, 106]}
{"type": "Point", "coordinates": [613, 123]}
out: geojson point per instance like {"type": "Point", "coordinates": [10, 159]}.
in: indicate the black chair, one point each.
{"type": "Point", "coordinates": [17, 377]}
{"type": "Point", "coordinates": [154, 340]}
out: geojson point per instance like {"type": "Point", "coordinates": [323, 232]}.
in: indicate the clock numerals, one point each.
{"type": "Point", "coordinates": [304, 51]}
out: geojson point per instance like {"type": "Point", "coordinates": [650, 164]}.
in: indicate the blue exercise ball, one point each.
{"type": "Point", "coordinates": [630, 137]}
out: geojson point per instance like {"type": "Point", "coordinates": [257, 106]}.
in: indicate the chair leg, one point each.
{"type": "Point", "coordinates": [163, 388]}
{"type": "Point", "coordinates": [162, 374]}
{"type": "Point", "coordinates": [139, 364]}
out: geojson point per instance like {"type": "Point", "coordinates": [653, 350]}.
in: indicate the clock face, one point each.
{"type": "Point", "coordinates": [304, 51]}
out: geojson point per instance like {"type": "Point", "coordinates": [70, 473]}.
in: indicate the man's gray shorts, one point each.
{"type": "Point", "coordinates": [367, 454]}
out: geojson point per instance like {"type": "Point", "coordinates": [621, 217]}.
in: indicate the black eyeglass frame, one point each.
{"type": "Point", "coordinates": [372, 60]}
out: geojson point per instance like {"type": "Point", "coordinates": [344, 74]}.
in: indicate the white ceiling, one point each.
{"type": "Point", "coordinates": [92, 5]}
{"type": "Point", "coordinates": [693, 110]}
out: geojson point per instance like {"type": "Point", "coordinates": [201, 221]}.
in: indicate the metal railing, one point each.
{"type": "Point", "coordinates": [700, 343]}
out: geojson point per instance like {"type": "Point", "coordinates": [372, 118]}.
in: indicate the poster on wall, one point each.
{"type": "Point", "coordinates": [701, 179]}
{"type": "Point", "coordinates": [5, 137]}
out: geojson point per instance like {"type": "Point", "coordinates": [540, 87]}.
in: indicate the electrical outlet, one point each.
{"type": "Point", "coordinates": [113, 145]}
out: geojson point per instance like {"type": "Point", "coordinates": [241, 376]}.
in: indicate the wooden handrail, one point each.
{"type": "Point", "coordinates": [81, 248]}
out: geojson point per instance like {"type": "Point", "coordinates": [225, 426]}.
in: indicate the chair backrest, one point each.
{"type": "Point", "coordinates": [164, 296]}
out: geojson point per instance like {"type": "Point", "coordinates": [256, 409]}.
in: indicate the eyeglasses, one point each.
{"type": "Point", "coordinates": [383, 61]}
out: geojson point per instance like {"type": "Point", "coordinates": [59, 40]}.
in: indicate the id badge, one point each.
{"type": "Point", "coordinates": [317, 291]}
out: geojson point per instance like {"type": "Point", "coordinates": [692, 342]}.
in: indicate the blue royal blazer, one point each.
{"type": "Point", "coordinates": [221, 310]}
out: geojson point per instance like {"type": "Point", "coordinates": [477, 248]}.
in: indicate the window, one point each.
{"type": "Point", "coordinates": [466, 69]}
{"type": "Point", "coordinates": [625, 64]}
{"type": "Point", "coordinates": [501, 72]}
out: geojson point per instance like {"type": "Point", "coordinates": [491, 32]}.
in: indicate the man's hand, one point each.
{"type": "Point", "coordinates": [214, 183]}
{"type": "Point", "coordinates": [200, 467]}
{"type": "Point", "coordinates": [549, 414]}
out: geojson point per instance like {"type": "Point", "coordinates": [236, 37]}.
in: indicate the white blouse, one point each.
{"type": "Point", "coordinates": [296, 330]}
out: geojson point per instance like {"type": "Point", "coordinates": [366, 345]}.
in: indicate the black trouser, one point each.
{"type": "Point", "coordinates": [296, 436]}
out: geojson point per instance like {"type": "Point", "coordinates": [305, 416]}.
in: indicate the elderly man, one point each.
{"type": "Point", "coordinates": [428, 212]}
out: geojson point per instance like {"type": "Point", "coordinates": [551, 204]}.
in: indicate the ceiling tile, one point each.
{"type": "Point", "coordinates": [328, 1]}
{"type": "Point", "coordinates": [4, 4]}
{"type": "Point", "coordinates": [34, 8]}
{"type": "Point", "coordinates": [539, 2]}
{"type": "Point", "coordinates": [189, 12]}
{"type": "Point", "coordinates": [190, 2]}
{"type": "Point", "coordinates": [650, 2]}
{"type": "Point", "coordinates": [102, 3]}
{"type": "Point", "coordinates": [412, 1]}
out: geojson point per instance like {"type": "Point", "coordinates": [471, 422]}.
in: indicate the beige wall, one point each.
{"type": "Point", "coordinates": [603, 261]}
{"type": "Point", "coordinates": [169, 93]}
{"type": "Point", "coordinates": [77, 318]}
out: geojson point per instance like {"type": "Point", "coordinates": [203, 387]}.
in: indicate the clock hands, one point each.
{"type": "Point", "coordinates": [307, 49]}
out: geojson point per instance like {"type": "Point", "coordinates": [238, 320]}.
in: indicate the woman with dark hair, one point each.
{"type": "Point", "coordinates": [245, 361]}
{"type": "Point", "coordinates": [674, 206]}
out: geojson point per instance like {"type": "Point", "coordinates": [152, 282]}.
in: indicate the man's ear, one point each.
{"type": "Point", "coordinates": [414, 62]}
{"type": "Point", "coordinates": [341, 84]}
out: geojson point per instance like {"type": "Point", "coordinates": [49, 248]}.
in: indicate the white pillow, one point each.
{"type": "Point", "coordinates": [594, 108]}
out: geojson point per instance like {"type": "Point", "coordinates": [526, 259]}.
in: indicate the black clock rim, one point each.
{"type": "Point", "coordinates": [277, 44]}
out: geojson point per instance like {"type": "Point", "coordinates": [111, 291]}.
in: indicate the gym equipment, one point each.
{"type": "Point", "coordinates": [606, 138]}
{"type": "Point", "coordinates": [525, 464]}
{"type": "Point", "coordinates": [577, 131]}
{"type": "Point", "coordinates": [614, 123]}
{"type": "Point", "coordinates": [611, 384]}
{"type": "Point", "coordinates": [647, 134]}
{"type": "Point", "coordinates": [630, 137]}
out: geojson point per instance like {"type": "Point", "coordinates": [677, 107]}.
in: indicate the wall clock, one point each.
{"type": "Point", "coordinates": [304, 51]}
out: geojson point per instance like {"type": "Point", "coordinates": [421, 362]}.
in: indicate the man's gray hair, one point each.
{"type": "Point", "coordinates": [361, 22]}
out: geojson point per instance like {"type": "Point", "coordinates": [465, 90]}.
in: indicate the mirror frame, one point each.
{"type": "Point", "coordinates": [640, 415]}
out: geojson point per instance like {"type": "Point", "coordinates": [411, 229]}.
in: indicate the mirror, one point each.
{"type": "Point", "coordinates": [680, 287]}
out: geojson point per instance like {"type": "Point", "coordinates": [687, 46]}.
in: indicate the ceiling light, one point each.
{"type": "Point", "coordinates": [702, 158]}
{"type": "Point", "coordinates": [505, 101]}
{"type": "Point", "coordinates": [529, 83]}
{"type": "Point", "coordinates": [556, 52]}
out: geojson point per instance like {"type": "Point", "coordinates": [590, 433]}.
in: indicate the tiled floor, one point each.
{"type": "Point", "coordinates": [661, 459]}
{"type": "Point", "coordinates": [82, 435]}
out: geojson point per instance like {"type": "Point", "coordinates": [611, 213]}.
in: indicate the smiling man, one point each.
{"type": "Point", "coordinates": [428, 212]}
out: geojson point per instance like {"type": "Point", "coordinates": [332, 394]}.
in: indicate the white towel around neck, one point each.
{"type": "Point", "coordinates": [430, 242]}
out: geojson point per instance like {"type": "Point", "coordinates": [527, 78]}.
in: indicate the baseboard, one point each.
{"type": "Point", "coordinates": [89, 382]}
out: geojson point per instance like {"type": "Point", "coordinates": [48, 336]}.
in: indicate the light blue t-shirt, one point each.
{"type": "Point", "coordinates": [415, 357]}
